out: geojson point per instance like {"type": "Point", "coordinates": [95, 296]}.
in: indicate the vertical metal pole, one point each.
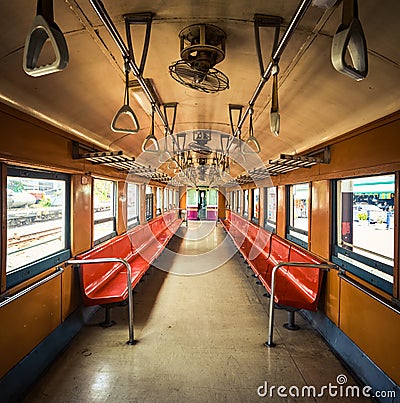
{"type": "Point", "coordinates": [131, 340]}
{"type": "Point", "coordinates": [270, 343]}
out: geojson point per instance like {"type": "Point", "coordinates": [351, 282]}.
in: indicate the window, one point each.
{"type": "Point", "coordinates": [364, 228]}
{"type": "Point", "coordinates": [171, 199]}
{"type": "Point", "coordinates": [149, 202]}
{"type": "Point", "coordinates": [104, 210]}
{"type": "Point", "coordinates": [38, 217]}
{"type": "Point", "coordinates": [246, 203]}
{"type": "Point", "coordinates": [239, 201]}
{"type": "Point", "coordinates": [255, 205]}
{"type": "Point", "coordinates": [270, 209]}
{"type": "Point", "coordinates": [232, 200]}
{"type": "Point", "coordinates": [177, 198]}
{"type": "Point", "coordinates": [297, 228]}
{"type": "Point", "coordinates": [165, 199]}
{"type": "Point", "coordinates": [158, 201]}
{"type": "Point", "coordinates": [132, 205]}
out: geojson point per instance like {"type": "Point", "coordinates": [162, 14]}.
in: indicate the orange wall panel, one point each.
{"type": "Point", "coordinates": [320, 218]}
{"type": "Point", "coordinates": [81, 217]}
{"type": "Point", "coordinates": [121, 213]}
{"type": "Point", "coordinates": [373, 327]}
{"type": "Point", "coordinates": [71, 296]}
{"type": "Point", "coordinates": [26, 321]}
{"type": "Point", "coordinates": [281, 212]}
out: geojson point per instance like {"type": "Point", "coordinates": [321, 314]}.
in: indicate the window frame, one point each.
{"type": "Point", "coordinates": [290, 228]}
{"type": "Point", "coordinates": [39, 266]}
{"type": "Point", "coordinates": [112, 218]}
{"type": "Point", "coordinates": [337, 250]}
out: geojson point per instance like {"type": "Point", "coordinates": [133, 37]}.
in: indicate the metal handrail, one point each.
{"type": "Point", "coordinates": [370, 293]}
{"type": "Point", "coordinates": [59, 270]}
{"type": "Point", "coordinates": [101, 11]}
{"type": "Point", "coordinates": [297, 16]}
{"type": "Point", "coordinates": [323, 266]}
{"type": "Point", "coordinates": [131, 340]}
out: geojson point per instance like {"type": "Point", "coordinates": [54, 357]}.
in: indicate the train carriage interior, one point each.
{"type": "Point", "coordinates": [199, 172]}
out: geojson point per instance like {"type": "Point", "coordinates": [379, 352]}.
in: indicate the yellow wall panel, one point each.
{"type": "Point", "coordinates": [331, 294]}
{"type": "Point", "coordinates": [26, 321]}
{"type": "Point", "coordinates": [81, 218]}
{"type": "Point", "coordinates": [373, 327]}
{"type": "Point", "coordinates": [320, 219]}
{"type": "Point", "coordinates": [281, 212]}
{"type": "Point", "coordinates": [71, 296]}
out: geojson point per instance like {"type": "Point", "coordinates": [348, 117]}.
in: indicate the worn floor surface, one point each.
{"type": "Point", "coordinates": [201, 335]}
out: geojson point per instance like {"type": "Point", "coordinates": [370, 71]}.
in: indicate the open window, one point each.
{"type": "Point", "coordinates": [364, 234]}
{"type": "Point", "coordinates": [270, 203]}
{"type": "Point", "coordinates": [38, 222]}
{"type": "Point", "coordinates": [298, 209]}
{"type": "Point", "coordinates": [104, 209]}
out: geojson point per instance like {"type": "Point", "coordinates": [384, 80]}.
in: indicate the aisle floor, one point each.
{"type": "Point", "coordinates": [200, 335]}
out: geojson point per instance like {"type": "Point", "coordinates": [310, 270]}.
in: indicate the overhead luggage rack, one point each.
{"type": "Point", "coordinates": [282, 165]}
{"type": "Point", "coordinates": [116, 160]}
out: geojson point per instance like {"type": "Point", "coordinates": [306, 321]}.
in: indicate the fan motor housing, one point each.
{"type": "Point", "coordinates": [202, 45]}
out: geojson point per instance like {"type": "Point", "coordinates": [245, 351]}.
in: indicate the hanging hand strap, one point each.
{"type": "Point", "coordinates": [44, 28]}
{"type": "Point", "coordinates": [350, 37]}
{"type": "Point", "coordinates": [274, 117]}
{"type": "Point", "coordinates": [150, 143]}
{"type": "Point", "coordinates": [125, 109]}
{"type": "Point", "coordinates": [251, 141]}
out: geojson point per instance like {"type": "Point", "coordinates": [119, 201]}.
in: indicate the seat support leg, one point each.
{"type": "Point", "coordinates": [291, 325]}
{"type": "Point", "coordinates": [107, 318]}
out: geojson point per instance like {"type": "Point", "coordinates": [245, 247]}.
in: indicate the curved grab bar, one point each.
{"type": "Point", "coordinates": [44, 28]}
{"type": "Point", "coordinates": [324, 266]}
{"type": "Point", "coordinates": [350, 37]}
{"type": "Point", "coordinates": [59, 270]}
{"type": "Point", "coordinates": [131, 340]}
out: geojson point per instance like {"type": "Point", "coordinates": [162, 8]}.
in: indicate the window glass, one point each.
{"type": "Point", "coordinates": [255, 205]}
{"type": "Point", "coordinates": [270, 208]}
{"type": "Point", "coordinates": [165, 199]}
{"type": "Point", "coordinates": [239, 201]}
{"type": "Point", "coordinates": [246, 203]}
{"type": "Point", "coordinates": [232, 201]}
{"type": "Point", "coordinates": [104, 210]}
{"type": "Point", "coordinates": [364, 241]}
{"type": "Point", "coordinates": [149, 202]}
{"type": "Point", "coordinates": [297, 230]}
{"type": "Point", "coordinates": [132, 205]}
{"type": "Point", "coordinates": [37, 222]}
{"type": "Point", "coordinates": [171, 199]}
{"type": "Point", "coordinates": [158, 201]}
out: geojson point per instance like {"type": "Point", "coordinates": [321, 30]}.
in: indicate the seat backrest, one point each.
{"type": "Point", "coordinates": [280, 248]}
{"type": "Point", "coordinates": [308, 279]}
